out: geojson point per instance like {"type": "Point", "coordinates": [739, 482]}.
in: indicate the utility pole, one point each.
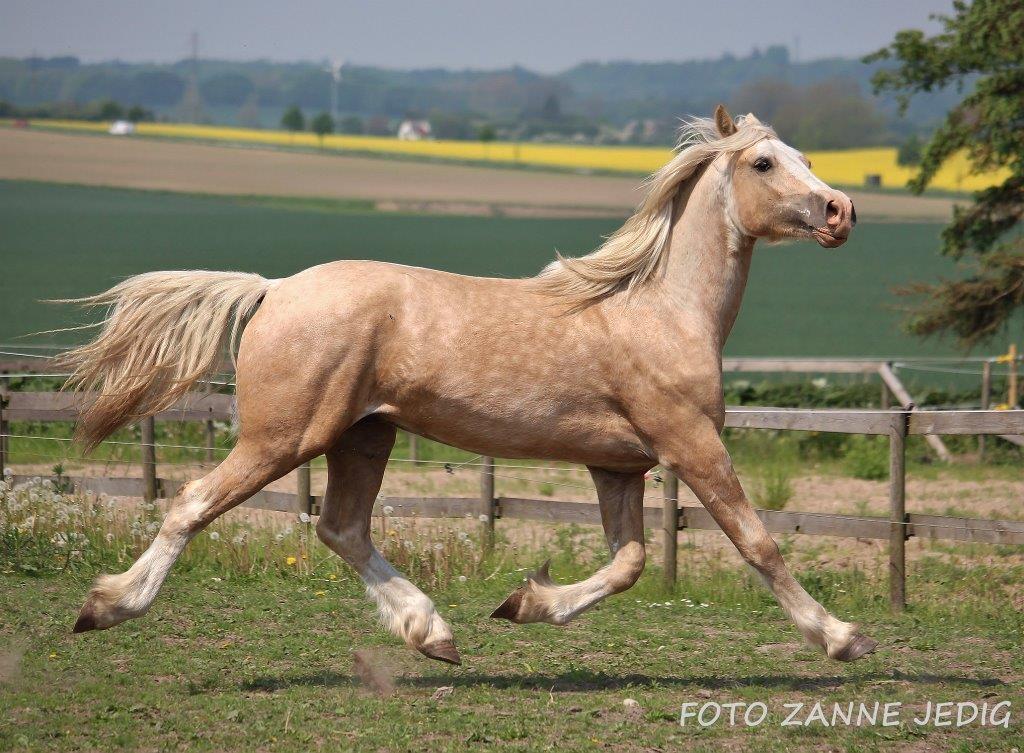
{"type": "Point", "coordinates": [191, 103]}
{"type": "Point", "coordinates": [334, 69]}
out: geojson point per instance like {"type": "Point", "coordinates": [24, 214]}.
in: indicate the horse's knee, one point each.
{"type": "Point", "coordinates": [760, 552]}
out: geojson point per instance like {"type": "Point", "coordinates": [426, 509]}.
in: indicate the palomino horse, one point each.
{"type": "Point", "coordinates": [612, 360]}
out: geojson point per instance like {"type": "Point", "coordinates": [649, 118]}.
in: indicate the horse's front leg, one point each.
{"type": "Point", "coordinates": [621, 497]}
{"type": "Point", "coordinates": [702, 462]}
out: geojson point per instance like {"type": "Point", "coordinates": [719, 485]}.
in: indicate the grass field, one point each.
{"type": "Point", "coordinates": [62, 241]}
{"type": "Point", "coordinates": [277, 660]}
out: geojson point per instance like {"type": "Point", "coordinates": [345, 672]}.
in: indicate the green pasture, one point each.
{"type": "Point", "coordinates": [281, 661]}
{"type": "Point", "coordinates": [62, 241]}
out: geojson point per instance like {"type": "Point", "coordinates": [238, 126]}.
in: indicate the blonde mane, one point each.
{"type": "Point", "coordinates": [632, 255]}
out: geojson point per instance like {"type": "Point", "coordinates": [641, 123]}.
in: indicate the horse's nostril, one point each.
{"type": "Point", "coordinates": [833, 215]}
{"type": "Point", "coordinates": [853, 214]}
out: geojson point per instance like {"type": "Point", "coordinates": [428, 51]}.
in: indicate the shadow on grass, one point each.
{"type": "Point", "coordinates": [569, 682]}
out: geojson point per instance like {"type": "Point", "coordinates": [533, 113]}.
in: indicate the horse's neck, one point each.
{"type": "Point", "coordinates": [708, 259]}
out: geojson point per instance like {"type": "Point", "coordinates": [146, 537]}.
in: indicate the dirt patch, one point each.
{"type": "Point", "coordinates": [393, 184]}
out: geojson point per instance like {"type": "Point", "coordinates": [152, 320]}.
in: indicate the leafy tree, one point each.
{"type": "Point", "coordinates": [979, 49]}
{"type": "Point", "coordinates": [910, 150]}
{"type": "Point", "coordinates": [487, 133]}
{"type": "Point", "coordinates": [111, 110]}
{"type": "Point", "coordinates": [322, 125]}
{"type": "Point", "coordinates": [137, 114]}
{"type": "Point", "coordinates": [293, 120]}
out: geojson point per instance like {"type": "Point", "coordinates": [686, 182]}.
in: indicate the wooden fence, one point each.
{"type": "Point", "coordinates": [671, 517]}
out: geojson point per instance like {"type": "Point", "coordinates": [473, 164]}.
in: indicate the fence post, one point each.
{"type": "Point", "coordinates": [414, 448]}
{"type": "Point", "coordinates": [487, 500]}
{"type": "Point", "coordinates": [897, 512]}
{"type": "Point", "coordinates": [986, 400]}
{"type": "Point", "coordinates": [149, 490]}
{"type": "Point", "coordinates": [211, 440]}
{"type": "Point", "coordinates": [4, 431]}
{"type": "Point", "coordinates": [1011, 383]}
{"type": "Point", "coordinates": [303, 484]}
{"type": "Point", "coordinates": [670, 527]}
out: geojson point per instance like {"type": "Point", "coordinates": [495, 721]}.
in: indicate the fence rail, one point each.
{"type": "Point", "coordinates": [671, 517]}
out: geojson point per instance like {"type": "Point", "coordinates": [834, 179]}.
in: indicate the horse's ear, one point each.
{"type": "Point", "coordinates": [724, 122]}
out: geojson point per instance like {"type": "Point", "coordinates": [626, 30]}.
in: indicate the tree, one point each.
{"type": "Point", "coordinates": [111, 110]}
{"type": "Point", "coordinates": [909, 152]}
{"type": "Point", "coordinates": [293, 120]}
{"type": "Point", "coordinates": [487, 133]}
{"type": "Point", "coordinates": [137, 113]}
{"type": "Point", "coordinates": [979, 50]}
{"type": "Point", "coordinates": [322, 125]}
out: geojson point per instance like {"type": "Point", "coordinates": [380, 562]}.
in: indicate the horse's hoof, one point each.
{"type": "Point", "coordinates": [509, 609]}
{"type": "Point", "coordinates": [442, 651]}
{"type": "Point", "coordinates": [857, 647]}
{"type": "Point", "coordinates": [526, 604]}
{"type": "Point", "coordinates": [86, 620]}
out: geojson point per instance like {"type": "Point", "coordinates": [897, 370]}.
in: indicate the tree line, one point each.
{"type": "Point", "coordinates": [823, 104]}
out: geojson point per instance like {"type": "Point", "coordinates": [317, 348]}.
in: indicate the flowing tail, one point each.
{"type": "Point", "coordinates": [163, 332]}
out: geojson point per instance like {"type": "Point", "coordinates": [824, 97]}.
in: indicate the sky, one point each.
{"type": "Point", "coordinates": [543, 36]}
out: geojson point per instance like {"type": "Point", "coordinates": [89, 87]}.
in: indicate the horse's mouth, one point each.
{"type": "Point", "coordinates": [825, 238]}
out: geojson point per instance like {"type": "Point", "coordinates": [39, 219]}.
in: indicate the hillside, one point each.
{"type": "Point", "coordinates": [586, 101]}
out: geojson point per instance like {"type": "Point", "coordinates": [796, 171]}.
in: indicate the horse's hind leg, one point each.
{"type": "Point", "coordinates": [621, 498]}
{"type": "Point", "coordinates": [116, 598]}
{"type": "Point", "coordinates": [356, 467]}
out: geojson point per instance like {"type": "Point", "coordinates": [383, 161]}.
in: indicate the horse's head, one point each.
{"type": "Point", "coordinates": [774, 193]}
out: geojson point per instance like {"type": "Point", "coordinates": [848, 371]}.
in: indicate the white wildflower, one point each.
{"type": "Point", "coordinates": [462, 579]}
{"type": "Point", "coordinates": [388, 510]}
{"type": "Point", "coordinates": [304, 517]}
{"type": "Point", "coordinates": [483, 518]}
{"type": "Point", "coordinates": [214, 536]}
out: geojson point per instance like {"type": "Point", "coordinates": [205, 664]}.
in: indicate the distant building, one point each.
{"type": "Point", "coordinates": [121, 128]}
{"type": "Point", "coordinates": [415, 130]}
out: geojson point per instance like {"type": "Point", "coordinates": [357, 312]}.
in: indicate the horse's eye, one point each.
{"type": "Point", "coordinates": [763, 165]}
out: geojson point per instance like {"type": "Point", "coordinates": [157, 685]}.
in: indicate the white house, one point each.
{"type": "Point", "coordinates": [415, 130]}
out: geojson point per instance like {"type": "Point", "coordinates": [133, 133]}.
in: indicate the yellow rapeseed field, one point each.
{"type": "Point", "coordinates": [845, 168]}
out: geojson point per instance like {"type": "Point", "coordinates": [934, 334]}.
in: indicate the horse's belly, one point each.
{"type": "Point", "coordinates": [602, 439]}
